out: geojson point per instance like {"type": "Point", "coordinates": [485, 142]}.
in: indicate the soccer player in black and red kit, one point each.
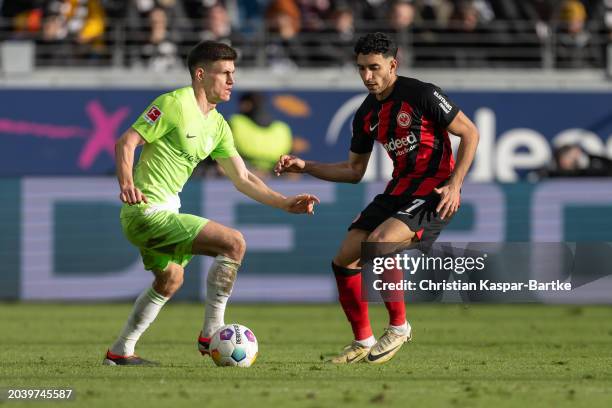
{"type": "Point", "coordinates": [412, 120]}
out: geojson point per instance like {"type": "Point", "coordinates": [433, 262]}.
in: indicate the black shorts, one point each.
{"type": "Point", "coordinates": [418, 213]}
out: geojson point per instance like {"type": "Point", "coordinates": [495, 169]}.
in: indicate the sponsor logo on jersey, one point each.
{"type": "Point", "coordinates": [444, 105]}
{"type": "Point", "coordinates": [403, 145]}
{"type": "Point", "coordinates": [153, 114]}
{"type": "Point", "coordinates": [403, 119]}
{"type": "Point", "coordinates": [189, 157]}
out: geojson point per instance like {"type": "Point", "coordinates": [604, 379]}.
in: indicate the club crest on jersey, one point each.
{"type": "Point", "coordinates": [403, 119]}
{"type": "Point", "coordinates": [153, 115]}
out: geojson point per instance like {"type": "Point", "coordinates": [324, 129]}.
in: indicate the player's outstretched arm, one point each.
{"type": "Point", "coordinates": [350, 171]}
{"type": "Point", "coordinates": [450, 194]}
{"type": "Point", "coordinates": [252, 186]}
{"type": "Point", "coordinates": [124, 157]}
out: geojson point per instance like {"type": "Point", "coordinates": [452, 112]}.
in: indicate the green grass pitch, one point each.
{"type": "Point", "coordinates": [461, 356]}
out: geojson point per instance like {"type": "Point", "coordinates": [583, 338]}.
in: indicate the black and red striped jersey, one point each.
{"type": "Point", "coordinates": [411, 125]}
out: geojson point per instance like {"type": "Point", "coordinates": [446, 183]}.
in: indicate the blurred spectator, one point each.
{"type": "Point", "coordinates": [10, 9]}
{"type": "Point", "coordinates": [522, 28]}
{"type": "Point", "coordinates": [139, 13]}
{"type": "Point", "coordinates": [471, 41]}
{"type": "Point", "coordinates": [160, 52]}
{"type": "Point", "coordinates": [335, 47]}
{"type": "Point", "coordinates": [284, 48]}
{"type": "Point", "coordinates": [146, 6]}
{"type": "Point", "coordinates": [370, 15]}
{"type": "Point", "coordinates": [505, 10]}
{"type": "Point", "coordinates": [465, 17]}
{"type": "Point", "coordinates": [72, 32]}
{"type": "Point", "coordinates": [217, 27]}
{"type": "Point", "coordinates": [286, 34]}
{"type": "Point", "coordinates": [437, 12]}
{"type": "Point", "coordinates": [402, 14]}
{"type": "Point", "coordinates": [239, 12]}
{"type": "Point", "coordinates": [539, 12]}
{"type": "Point", "coordinates": [573, 161]}
{"type": "Point", "coordinates": [314, 13]}
{"type": "Point", "coordinates": [484, 9]}
{"type": "Point", "coordinates": [259, 138]}
{"type": "Point", "coordinates": [249, 16]}
{"type": "Point", "coordinates": [116, 8]}
{"type": "Point", "coordinates": [607, 29]}
{"type": "Point", "coordinates": [602, 13]}
{"type": "Point", "coordinates": [574, 47]}
{"type": "Point", "coordinates": [25, 16]}
{"type": "Point", "coordinates": [608, 15]}
{"type": "Point", "coordinates": [466, 30]}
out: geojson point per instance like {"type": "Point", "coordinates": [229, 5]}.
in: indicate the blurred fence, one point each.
{"type": "Point", "coordinates": [499, 43]}
{"type": "Point", "coordinates": [61, 238]}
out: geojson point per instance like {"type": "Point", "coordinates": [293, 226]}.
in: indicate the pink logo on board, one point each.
{"type": "Point", "coordinates": [101, 138]}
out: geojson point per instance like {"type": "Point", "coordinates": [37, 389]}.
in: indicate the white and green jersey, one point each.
{"type": "Point", "coordinates": [178, 137]}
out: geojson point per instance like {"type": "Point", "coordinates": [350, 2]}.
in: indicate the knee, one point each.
{"type": "Point", "coordinates": [237, 246]}
{"type": "Point", "coordinates": [169, 281]}
{"type": "Point", "coordinates": [338, 261]}
{"type": "Point", "coordinates": [176, 279]}
{"type": "Point", "coordinates": [378, 236]}
{"type": "Point", "coordinates": [390, 236]}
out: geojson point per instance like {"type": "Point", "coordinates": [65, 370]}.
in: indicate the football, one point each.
{"type": "Point", "coordinates": [233, 345]}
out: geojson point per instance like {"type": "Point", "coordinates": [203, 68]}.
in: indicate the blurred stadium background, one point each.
{"type": "Point", "coordinates": [534, 75]}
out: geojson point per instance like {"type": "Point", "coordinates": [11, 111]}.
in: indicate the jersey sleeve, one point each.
{"type": "Point", "coordinates": [158, 119]}
{"type": "Point", "coordinates": [437, 106]}
{"type": "Point", "coordinates": [225, 148]}
{"type": "Point", "coordinates": [361, 142]}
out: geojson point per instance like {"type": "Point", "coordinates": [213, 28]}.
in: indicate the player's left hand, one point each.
{"type": "Point", "coordinates": [301, 204]}
{"type": "Point", "coordinates": [450, 199]}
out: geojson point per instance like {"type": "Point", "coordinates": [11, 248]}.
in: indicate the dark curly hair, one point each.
{"type": "Point", "coordinates": [376, 43]}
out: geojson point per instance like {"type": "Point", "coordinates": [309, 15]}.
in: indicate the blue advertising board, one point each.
{"type": "Point", "coordinates": [71, 132]}
{"type": "Point", "coordinates": [61, 237]}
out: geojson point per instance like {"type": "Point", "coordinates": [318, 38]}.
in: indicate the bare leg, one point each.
{"type": "Point", "coordinates": [228, 247]}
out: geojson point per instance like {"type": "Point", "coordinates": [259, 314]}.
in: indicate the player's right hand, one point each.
{"type": "Point", "coordinates": [301, 204]}
{"type": "Point", "coordinates": [289, 164]}
{"type": "Point", "coordinates": [132, 195]}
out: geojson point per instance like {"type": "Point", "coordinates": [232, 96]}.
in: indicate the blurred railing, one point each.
{"type": "Point", "coordinates": [499, 44]}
